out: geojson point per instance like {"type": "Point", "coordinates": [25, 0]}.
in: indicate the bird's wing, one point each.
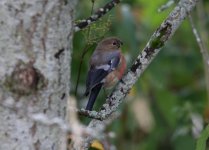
{"type": "Point", "coordinates": [98, 73]}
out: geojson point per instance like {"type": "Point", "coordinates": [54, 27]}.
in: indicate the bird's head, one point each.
{"type": "Point", "coordinates": [111, 43]}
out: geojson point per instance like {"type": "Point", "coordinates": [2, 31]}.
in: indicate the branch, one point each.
{"type": "Point", "coordinates": [154, 45]}
{"type": "Point", "coordinates": [90, 114]}
{"type": "Point", "coordinates": [97, 15]}
{"type": "Point", "coordinates": [98, 127]}
{"type": "Point", "coordinates": [203, 50]}
{"type": "Point", "coordinates": [156, 42]}
{"type": "Point", "coordinates": [204, 42]}
{"type": "Point", "coordinates": [166, 6]}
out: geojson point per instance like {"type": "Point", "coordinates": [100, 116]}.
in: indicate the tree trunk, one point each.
{"type": "Point", "coordinates": [35, 46]}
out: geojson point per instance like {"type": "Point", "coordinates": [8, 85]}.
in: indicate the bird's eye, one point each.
{"type": "Point", "coordinates": [114, 43]}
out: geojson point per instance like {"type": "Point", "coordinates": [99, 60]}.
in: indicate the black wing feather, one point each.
{"type": "Point", "coordinates": [95, 76]}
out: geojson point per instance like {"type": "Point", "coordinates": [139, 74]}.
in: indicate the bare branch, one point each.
{"type": "Point", "coordinates": [97, 15]}
{"type": "Point", "coordinates": [204, 42]}
{"type": "Point", "coordinates": [84, 51]}
{"type": "Point", "coordinates": [99, 127]}
{"type": "Point", "coordinates": [154, 45]}
{"type": "Point", "coordinates": [156, 42]}
{"type": "Point", "coordinates": [199, 41]}
{"type": "Point", "coordinates": [166, 6]}
{"type": "Point", "coordinates": [90, 114]}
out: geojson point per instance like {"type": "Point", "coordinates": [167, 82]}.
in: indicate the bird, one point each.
{"type": "Point", "coordinates": [107, 66]}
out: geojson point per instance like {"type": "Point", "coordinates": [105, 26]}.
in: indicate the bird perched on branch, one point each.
{"type": "Point", "coordinates": [107, 66]}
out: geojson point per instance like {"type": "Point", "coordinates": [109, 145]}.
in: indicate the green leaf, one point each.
{"type": "Point", "coordinates": [201, 142]}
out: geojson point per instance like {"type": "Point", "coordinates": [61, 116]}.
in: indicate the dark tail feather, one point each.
{"type": "Point", "coordinates": [93, 96]}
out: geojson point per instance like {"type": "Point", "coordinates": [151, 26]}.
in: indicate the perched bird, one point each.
{"type": "Point", "coordinates": [107, 66]}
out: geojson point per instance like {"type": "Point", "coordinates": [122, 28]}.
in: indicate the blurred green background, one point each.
{"type": "Point", "coordinates": [167, 107]}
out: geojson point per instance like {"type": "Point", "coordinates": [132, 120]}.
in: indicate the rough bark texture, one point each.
{"type": "Point", "coordinates": [35, 45]}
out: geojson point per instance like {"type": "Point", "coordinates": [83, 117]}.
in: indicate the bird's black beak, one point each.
{"type": "Point", "coordinates": [119, 43]}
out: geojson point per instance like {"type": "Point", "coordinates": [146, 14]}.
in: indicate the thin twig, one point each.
{"type": "Point", "coordinates": [97, 15]}
{"type": "Point", "coordinates": [85, 50]}
{"type": "Point", "coordinates": [203, 51]}
{"type": "Point", "coordinates": [166, 6]}
{"type": "Point", "coordinates": [204, 36]}
{"type": "Point", "coordinates": [199, 41]}
{"type": "Point", "coordinates": [89, 27]}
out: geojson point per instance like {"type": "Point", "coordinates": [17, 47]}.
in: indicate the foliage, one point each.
{"type": "Point", "coordinates": [173, 87]}
{"type": "Point", "coordinates": [201, 143]}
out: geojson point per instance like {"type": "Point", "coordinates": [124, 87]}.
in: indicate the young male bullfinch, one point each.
{"type": "Point", "coordinates": [107, 66]}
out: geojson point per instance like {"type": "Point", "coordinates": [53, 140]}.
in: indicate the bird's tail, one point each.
{"type": "Point", "coordinates": [93, 96]}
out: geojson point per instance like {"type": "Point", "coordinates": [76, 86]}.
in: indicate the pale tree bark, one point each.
{"type": "Point", "coordinates": [35, 46]}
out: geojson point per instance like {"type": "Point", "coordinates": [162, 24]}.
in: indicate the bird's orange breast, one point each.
{"type": "Point", "coordinates": [113, 77]}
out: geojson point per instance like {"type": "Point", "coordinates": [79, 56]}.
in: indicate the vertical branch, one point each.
{"type": "Point", "coordinates": [85, 49]}
{"type": "Point", "coordinates": [203, 51]}
{"type": "Point", "coordinates": [204, 36]}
